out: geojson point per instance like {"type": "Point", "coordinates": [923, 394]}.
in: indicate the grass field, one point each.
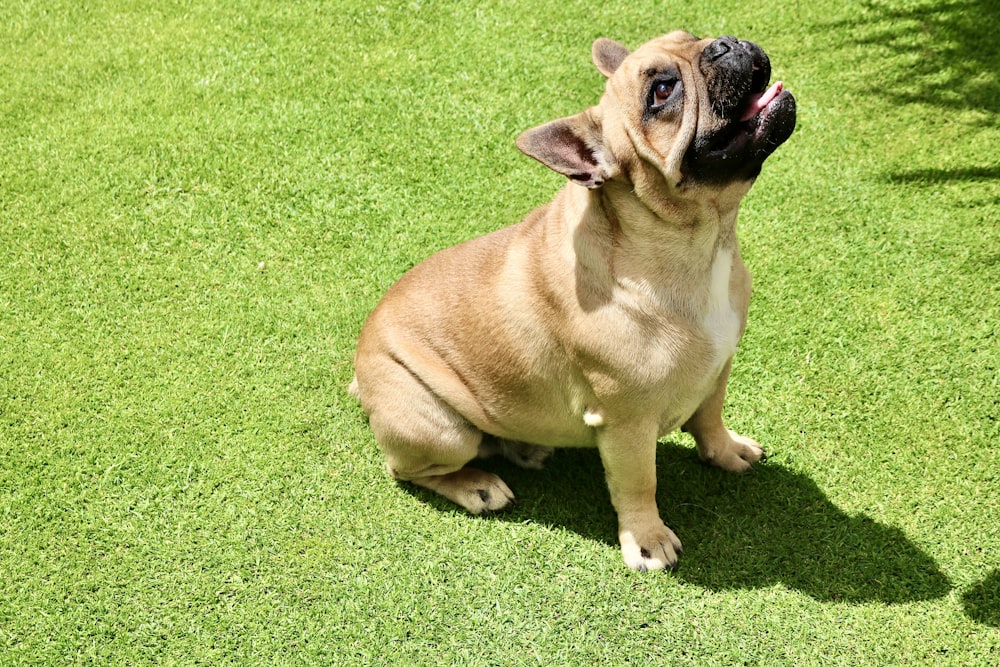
{"type": "Point", "coordinates": [200, 203]}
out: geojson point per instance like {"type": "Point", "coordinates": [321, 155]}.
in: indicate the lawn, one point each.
{"type": "Point", "coordinates": [201, 202]}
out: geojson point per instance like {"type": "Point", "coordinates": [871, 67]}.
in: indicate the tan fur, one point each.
{"type": "Point", "coordinates": [606, 318]}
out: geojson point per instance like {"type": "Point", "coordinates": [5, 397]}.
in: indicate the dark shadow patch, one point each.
{"type": "Point", "coordinates": [739, 531]}
{"type": "Point", "coordinates": [942, 176]}
{"type": "Point", "coordinates": [776, 526]}
{"type": "Point", "coordinates": [941, 53]}
{"type": "Point", "coordinates": [940, 58]}
{"type": "Point", "coordinates": [982, 601]}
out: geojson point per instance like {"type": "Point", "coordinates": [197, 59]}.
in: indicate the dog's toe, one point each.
{"type": "Point", "coordinates": [493, 497]}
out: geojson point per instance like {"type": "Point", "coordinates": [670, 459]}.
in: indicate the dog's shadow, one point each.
{"type": "Point", "coordinates": [739, 531]}
{"type": "Point", "coordinates": [982, 601]}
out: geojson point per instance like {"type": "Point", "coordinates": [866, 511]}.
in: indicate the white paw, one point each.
{"type": "Point", "coordinates": [736, 455]}
{"type": "Point", "coordinates": [652, 549]}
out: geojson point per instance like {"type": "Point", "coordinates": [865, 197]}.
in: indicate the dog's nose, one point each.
{"type": "Point", "coordinates": [719, 48]}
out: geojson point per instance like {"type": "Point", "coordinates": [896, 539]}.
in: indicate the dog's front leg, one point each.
{"type": "Point", "coordinates": [629, 457]}
{"type": "Point", "coordinates": [717, 444]}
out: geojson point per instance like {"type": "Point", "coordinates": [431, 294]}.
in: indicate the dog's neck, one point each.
{"type": "Point", "coordinates": [622, 243]}
{"type": "Point", "coordinates": [682, 232]}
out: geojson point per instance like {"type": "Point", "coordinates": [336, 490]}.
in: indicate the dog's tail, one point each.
{"type": "Point", "coordinates": [353, 390]}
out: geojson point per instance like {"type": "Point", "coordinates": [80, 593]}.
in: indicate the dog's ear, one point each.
{"type": "Point", "coordinates": [608, 55]}
{"type": "Point", "coordinates": [572, 146]}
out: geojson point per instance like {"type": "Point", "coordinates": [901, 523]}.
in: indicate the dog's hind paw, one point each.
{"type": "Point", "coordinates": [477, 491]}
{"type": "Point", "coordinates": [533, 457]}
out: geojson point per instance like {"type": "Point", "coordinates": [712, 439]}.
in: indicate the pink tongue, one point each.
{"type": "Point", "coordinates": [760, 101]}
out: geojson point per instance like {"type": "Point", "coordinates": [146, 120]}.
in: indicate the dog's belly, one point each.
{"type": "Point", "coordinates": [557, 415]}
{"type": "Point", "coordinates": [549, 407]}
{"type": "Point", "coordinates": [661, 382]}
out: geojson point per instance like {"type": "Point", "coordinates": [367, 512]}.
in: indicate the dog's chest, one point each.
{"type": "Point", "coordinates": [671, 362]}
{"type": "Point", "coordinates": [672, 347]}
{"type": "Point", "coordinates": [696, 368]}
{"type": "Point", "coordinates": [721, 320]}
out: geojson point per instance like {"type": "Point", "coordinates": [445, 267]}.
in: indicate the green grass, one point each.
{"type": "Point", "coordinates": [200, 203]}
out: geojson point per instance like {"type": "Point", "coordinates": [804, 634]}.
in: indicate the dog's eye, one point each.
{"type": "Point", "coordinates": [661, 93]}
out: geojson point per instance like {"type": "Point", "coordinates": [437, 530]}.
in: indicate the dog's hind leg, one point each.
{"type": "Point", "coordinates": [476, 490]}
{"type": "Point", "coordinates": [426, 442]}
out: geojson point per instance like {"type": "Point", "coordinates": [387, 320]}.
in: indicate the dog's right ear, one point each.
{"type": "Point", "coordinates": [573, 146]}
{"type": "Point", "coordinates": [608, 55]}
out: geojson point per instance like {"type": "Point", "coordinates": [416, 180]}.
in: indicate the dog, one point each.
{"type": "Point", "coordinates": [606, 318]}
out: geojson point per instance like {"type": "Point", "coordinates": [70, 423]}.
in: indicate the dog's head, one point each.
{"type": "Point", "coordinates": [679, 113]}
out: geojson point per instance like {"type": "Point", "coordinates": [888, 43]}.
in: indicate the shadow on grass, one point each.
{"type": "Point", "coordinates": [940, 176]}
{"type": "Point", "coordinates": [942, 53]}
{"type": "Point", "coordinates": [982, 601]}
{"type": "Point", "coordinates": [739, 531]}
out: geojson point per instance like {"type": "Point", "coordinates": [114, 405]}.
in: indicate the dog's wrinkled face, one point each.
{"type": "Point", "coordinates": [700, 112]}
{"type": "Point", "coordinates": [702, 108]}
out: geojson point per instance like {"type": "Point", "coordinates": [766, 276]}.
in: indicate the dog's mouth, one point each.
{"type": "Point", "coordinates": [754, 123]}
{"type": "Point", "coordinates": [766, 121]}
{"type": "Point", "coordinates": [761, 102]}
{"type": "Point", "coordinates": [768, 118]}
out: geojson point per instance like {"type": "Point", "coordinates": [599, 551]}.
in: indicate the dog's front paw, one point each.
{"type": "Point", "coordinates": [653, 548]}
{"type": "Point", "coordinates": [736, 454]}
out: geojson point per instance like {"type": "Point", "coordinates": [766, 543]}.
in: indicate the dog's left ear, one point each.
{"type": "Point", "coordinates": [607, 55]}
{"type": "Point", "coordinates": [573, 146]}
